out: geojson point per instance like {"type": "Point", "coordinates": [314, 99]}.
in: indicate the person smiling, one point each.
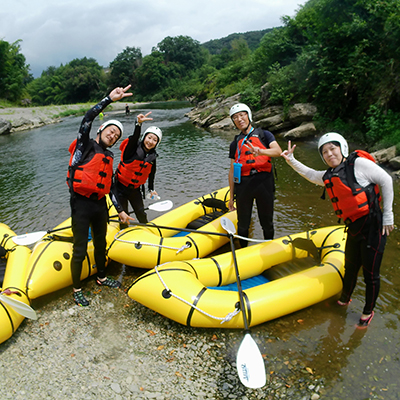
{"type": "Point", "coordinates": [352, 182]}
{"type": "Point", "coordinates": [137, 165]}
{"type": "Point", "coordinates": [251, 172]}
{"type": "Point", "coordinates": [90, 180]}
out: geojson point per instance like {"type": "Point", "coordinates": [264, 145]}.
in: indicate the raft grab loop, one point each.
{"type": "Point", "coordinates": [167, 293]}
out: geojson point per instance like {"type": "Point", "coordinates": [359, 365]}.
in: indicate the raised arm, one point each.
{"type": "Point", "coordinates": [310, 174]}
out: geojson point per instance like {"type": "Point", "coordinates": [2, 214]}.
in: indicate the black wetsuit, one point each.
{"type": "Point", "coordinates": [88, 212]}
{"type": "Point", "coordinates": [258, 186]}
{"type": "Point", "coordinates": [129, 193]}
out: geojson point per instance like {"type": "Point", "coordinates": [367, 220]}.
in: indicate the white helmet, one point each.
{"type": "Point", "coordinates": [333, 137]}
{"type": "Point", "coordinates": [156, 131]}
{"type": "Point", "coordinates": [240, 107]}
{"type": "Point", "coordinates": [111, 122]}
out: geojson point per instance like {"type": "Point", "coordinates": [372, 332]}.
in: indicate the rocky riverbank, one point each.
{"type": "Point", "coordinates": [296, 123]}
{"type": "Point", "coordinates": [16, 119]}
{"type": "Point", "coordinates": [118, 349]}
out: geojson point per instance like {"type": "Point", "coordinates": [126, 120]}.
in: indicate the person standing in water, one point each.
{"type": "Point", "coordinates": [137, 165]}
{"type": "Point", "coordinates": [352, 183]}
{"type": "Point", "coordinates": [90, 179]}
{"type": "Point", "coordinates": [251, 173]}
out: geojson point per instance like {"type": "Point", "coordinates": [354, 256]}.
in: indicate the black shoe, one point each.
{"type": "Point", "coordinates": [112, 283]}
{"type": "Point", "coordinates": [80, 299]}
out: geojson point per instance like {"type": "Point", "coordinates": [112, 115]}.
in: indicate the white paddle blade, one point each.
{"type": "Point", "coordinates": [250, 364]}
{"type": "Point", "coordinates": [28, 238]}
{"type": "Point", "coordinates": [228, 225]}
{"type": "Point", "coordinates": [161, 205]}
{"type": "Point", "coordinates": [19, 306]}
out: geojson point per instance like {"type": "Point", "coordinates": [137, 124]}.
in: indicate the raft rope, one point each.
{"type": "Point", "coordinates": [227, 318]}
{"type": "Point", "coordinates": [178, 249]}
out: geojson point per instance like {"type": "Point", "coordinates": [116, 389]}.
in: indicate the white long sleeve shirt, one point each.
{"type": "Point", "coordinates": [365, 172]}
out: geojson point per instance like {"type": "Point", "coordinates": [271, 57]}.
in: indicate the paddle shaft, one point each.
{"type": "Point", "coordinates": [149, 225]}
{"type": "Point", "coordinates": [239, 284]}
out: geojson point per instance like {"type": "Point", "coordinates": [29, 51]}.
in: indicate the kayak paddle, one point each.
{"type": "Point", "coordinates": [18, 306]}
{"type": "Point", "coordinates": [249, 362]}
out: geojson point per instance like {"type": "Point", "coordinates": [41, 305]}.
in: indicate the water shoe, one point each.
{"type": "Point", "coordinates": [112, 283]}
{"type": "Point", "coordinates": [364, 323]}
{"type": "Point", "coordinates": [80, 299]}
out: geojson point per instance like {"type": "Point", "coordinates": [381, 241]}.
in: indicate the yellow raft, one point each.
{"type": "Point", "coordinates": [49, 266]}
{"type": "Point", "coordinates": [145, 247]}
{"type": "Point", "coordinates": [189, 292]}
{"type": "Point", "coordinates": [16, 261]}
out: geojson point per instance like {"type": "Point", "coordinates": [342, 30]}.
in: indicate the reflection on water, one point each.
{"type": "Point", "coordinates": [192, 162]}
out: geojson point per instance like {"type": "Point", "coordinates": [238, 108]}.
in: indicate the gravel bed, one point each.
{"type": "Point", "coordinates": [118, 349]}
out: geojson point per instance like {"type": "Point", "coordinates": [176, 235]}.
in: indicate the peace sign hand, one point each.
{"type": "Point", "coordinates": [254, 150]}
{"type": "Point", "coordinates": [142, 118]}
{"type": "Point", "coordinates": [119, 93]}
{"type": "Point", "coordinates": [287, 154]}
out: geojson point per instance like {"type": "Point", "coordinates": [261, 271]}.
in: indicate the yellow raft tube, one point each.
{"type": "Point", "coordinates": [16, 262]}
{"type": "Point", "coordinates": [146, 246]}
{"type": "Point", "coordinates": [49, 266]}
{"type": "Point", "coordinates": [189, 292]}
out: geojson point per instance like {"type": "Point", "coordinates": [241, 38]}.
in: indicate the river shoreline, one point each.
{"type": "Point", "coordinates": [118, 349]}
{"type": "Point", "coordinates": [26, 118]}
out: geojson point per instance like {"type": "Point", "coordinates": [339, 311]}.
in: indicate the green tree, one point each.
{"type": "Point", "coordinates": [240, 49]}
{"type": "Point", "coordinates": [84, 80]}
{"type": "Point", "coordinates": [123, 67]}
{"type": "Point", "coordinates": [152, 75]}
{"type": "Point", "coordinates": [182, 50]}
{"type": "Point", "coordinates": [14, 72]}
{"type": "Point", "coordinates": [79, 81]}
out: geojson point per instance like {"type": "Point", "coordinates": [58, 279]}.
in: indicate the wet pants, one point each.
{"type": "Point", "coordinates": [364, 248]}
{"type": "Point", "coordinates": [87, 213]}
{"type": "Point", "coordinates": [259, 187]}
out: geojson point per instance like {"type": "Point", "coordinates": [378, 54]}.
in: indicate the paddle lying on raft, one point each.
{"type": "Point", "coordinates": [249, 362]}
{"type": "Point", "coordinates": [33, 237]}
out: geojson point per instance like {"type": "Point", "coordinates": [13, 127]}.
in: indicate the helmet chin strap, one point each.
{"type": "Point", "coordinates": [248, 126]}
{"type": "Point", "coordinates": [101, 143]}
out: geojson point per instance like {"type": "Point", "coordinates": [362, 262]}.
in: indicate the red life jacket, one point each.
{"type": "Point", "coordinates": [136, 172]}
{"type": "Point", "coordinates": [350, 200]}
{"type": "Point", "coordinates": [93, 174]}
{"type": "Point", "coordinates": [246, 158]}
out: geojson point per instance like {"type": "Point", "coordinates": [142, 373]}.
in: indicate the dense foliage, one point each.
{"type": "Point", "coordinates": [14, 73]}
{"type": "Point", "coordinates": [342, 55]}
{"type": "Point", "coordinates": [79, 81]}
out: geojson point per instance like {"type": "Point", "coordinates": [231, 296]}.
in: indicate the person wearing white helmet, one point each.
{"type": "Point", "coordinates": [90, 180]}
{"type": "Point", "coordinates": [251, 172]}
{"type": "Point", "coordinates": [352, 182]}
{"type": "Point", "coordinates": [138, 166]}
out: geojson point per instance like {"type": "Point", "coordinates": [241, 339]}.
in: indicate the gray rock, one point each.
{"type": "Point", "coordinates": [385, 155]}
{"type": "Point", "coordinates": [5, 127]}
{"type": "Point", "coordinates": [304, 130]}
{"type": "Point", "coordinates": [395, 163]}
{"type": "Point", "coordinates": [214, 114]}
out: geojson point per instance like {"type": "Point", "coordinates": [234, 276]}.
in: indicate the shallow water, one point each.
{"type": "Point", "coordinates": [352, 363]}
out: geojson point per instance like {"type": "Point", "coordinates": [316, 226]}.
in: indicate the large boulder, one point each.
{"type": "Point", "coordinates": [212, 111]}
{"type": "Point", "coordinates": [5, 127]}
{"type": "Point", "coordinates": [395, 163]}
{"type": "Point", "coordinates": [213, 114]}
{"type": "Point", "coordinates": [306, 129]}
{"type": "Point", "coordinates": [385, 155]}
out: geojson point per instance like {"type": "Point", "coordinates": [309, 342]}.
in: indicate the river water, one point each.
{"type": "Point", "coordinates": [352, 363]}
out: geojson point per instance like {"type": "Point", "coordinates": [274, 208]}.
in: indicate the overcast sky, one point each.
{"type": "Point", "coordinates": [56, 32]}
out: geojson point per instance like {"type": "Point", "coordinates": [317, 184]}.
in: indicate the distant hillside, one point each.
{"type": "Point", "coordinates": [252, 38]}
